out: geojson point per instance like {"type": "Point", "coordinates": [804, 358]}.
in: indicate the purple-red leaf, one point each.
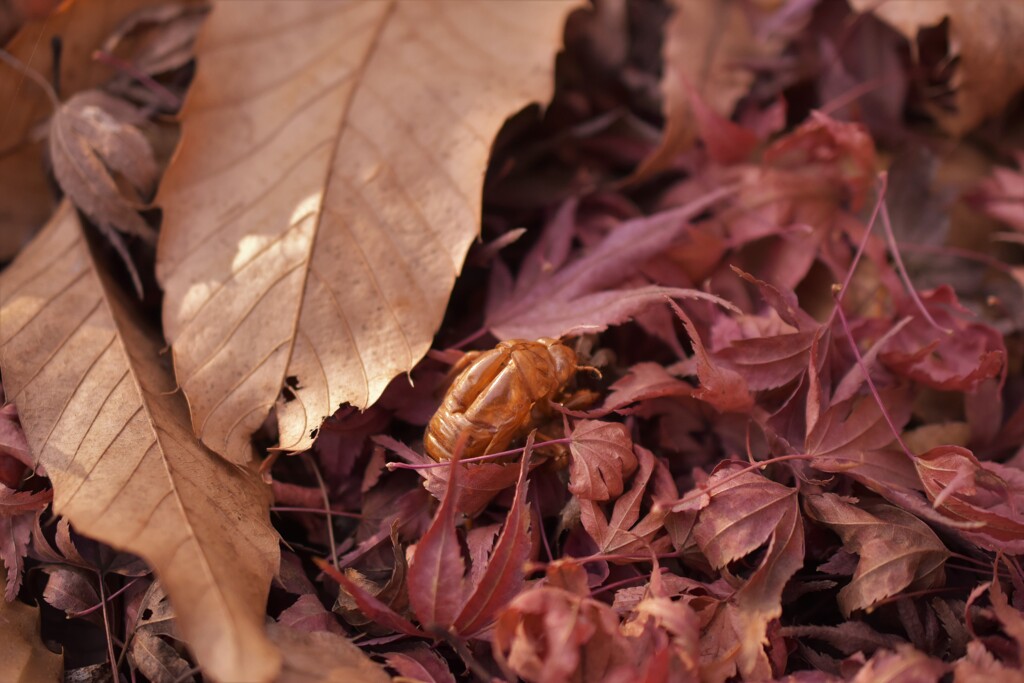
{"type": "Point", "coordinates": [897, 550]}
{"type": "Point", "coordinates": [602, 457]}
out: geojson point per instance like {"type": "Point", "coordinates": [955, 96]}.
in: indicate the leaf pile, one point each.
{"type": "Point", "coordinates": [783, 239]}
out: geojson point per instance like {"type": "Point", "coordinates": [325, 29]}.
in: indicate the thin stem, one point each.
{"type": "Point", "coordinates": [543, 534]}
{"type": "Point", "coordinates": [90, 610]}
{"type": "Point", "coordinates": [623, 582]}
{"type": "Point", "coordinates": [470, 339]}
{"type": "Point", "coordinates": [317, 511]}
{"type": "Point", "coordinates": [188, 674]}
{"type": "Point", "coordinates": [871, 382]}
{"type": "Point", "coordinates": [913, 594]}
{"type": "Point", "coordinates": [33, 75]}
{"type": "Point", "coordinates": [697, 493]}
{"type": "Point", "coordinates": [902, 270]}
{"type": "Point", "coordinates": [883, 183]}
{"type": "Point", "coordinates": [327, 511]}
{"type": "Point", "coordinates": [169, 98]}
{"type": "Point", "coordinates": [480, 458]}
{"type": "Point", "coordinates": [106, 628]}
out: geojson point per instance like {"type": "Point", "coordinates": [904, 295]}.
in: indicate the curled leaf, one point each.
{"type": "Point", "coordinates": [93, 142]}
{"type": "Point", "coordinates": [988, 493]}
{"type": "Point", "coordinates": [896, 550]}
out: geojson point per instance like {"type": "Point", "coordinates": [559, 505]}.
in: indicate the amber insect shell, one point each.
{"type": "Point", "coordinates": [499, 396]}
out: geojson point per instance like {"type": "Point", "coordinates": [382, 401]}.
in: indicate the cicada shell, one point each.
{"type": "Point", "coordinates": [499, 397]}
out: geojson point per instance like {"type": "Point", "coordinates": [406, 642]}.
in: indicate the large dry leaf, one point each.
{"type": "Point", "coordinates": [325, 193]}
{"type": "Point", "coordinates": [102, 417]}
{"type": "Point", "coordinates": [25, 198]}
{"type": "Point", "coordinates": [23, 657]}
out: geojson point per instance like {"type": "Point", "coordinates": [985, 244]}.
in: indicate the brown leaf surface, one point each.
{"type": "Point", "coordinates": [746, 511]}
{"type": "Point", "coordinates": [25, 199]}
{"type": "Point", "coordinates": [101, 414]}
{"type": "Point", "coordinates": [984, 36]}
{"type": "Point", "coordinates": [897, 550]}
{"type": "Point", "coordinates": [322, 657]}
{"type": "Point", "coordinates": [23, 657]}
{"type": "Point", "coordinates": [325, 193]}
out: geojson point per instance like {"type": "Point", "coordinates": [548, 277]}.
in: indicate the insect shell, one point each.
{"type": "Point", "coordinates": [499, 396]}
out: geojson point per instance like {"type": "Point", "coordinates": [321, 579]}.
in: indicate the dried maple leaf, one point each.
{"type": "Point", "coordinates": [575, 295]}
{"type": "Point", "coordinates": [26, 659]}
{"type": "Point", "coordinates": [625, 533]}
{"type": "Point", "coordinates": [858, 424]}
{"type": "Point", "coordinates": [101, 415]}
{"type": "Point", "coordinates": [157, 659]}
{"type": "Point", "coordinates": [897, 551]}
{"type": "Point", "coordinates": [440, 592]}
{"type": "Point", "coordinates": [958, 355]}
{"type": "Point", "coordinates": [71, 590]}
{"type": "Point", "coordinates": [551, 635]}
{"type": "Point", "coordinates": [602, 458]}
{"type": "Point", "coordinates": [15, 531]}
{"type": "Point", "coordinates": [964, 488]}
{"type": "Point", "coordinates": [642, 382]}
{"type": "Point", "coordinates": [318, 211]}
{"type": "Point", "coordinates": [721, 387]}
{"type": "Point", "coordinates": [420, 663]}
{"type": "Point", "coordinates": [746, 511]}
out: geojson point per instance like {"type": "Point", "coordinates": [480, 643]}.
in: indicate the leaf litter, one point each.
{"type": "Point", "coordinates": [796, 454]}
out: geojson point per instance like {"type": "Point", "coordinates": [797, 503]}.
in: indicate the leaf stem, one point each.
{"type": "Point", "coordinates": [902, 270]}
{"type": "Point", "coordinates": [32, 74]}
{"type": "Point", "coordinates": [870, 382]}
{"type": "Point", "coordinates": [480, 458]}
{"type": "Point", "coordinates": [623, 582]}
{"type": "Point", "coordinates": [698, 492]}
{"type": "Point", "coordinates": [317, 511]}
{"type": "Point", "coordinates": [106, 627]}
{"type": "Point", "coordinates": [169, 98]}
{"type": "Point", "coordinates": [89, 610]}
{"type": "Point", "coordinates": [327, 511]}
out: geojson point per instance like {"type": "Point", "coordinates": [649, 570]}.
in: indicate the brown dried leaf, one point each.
{"type": "Point", "coordinates": [747, 510]}
{"type": "Point", "coordinates": [624, 532]}
{"type": "Point", "coordinates": [325, 193]}
{"type": "Point", "coordinates": [602, 457]}
{"type": "Point", "coordinates": [964, 488]}
{"type": "Point", "coordinates": [710, 50]}
{"type": "Point", "coordinates": [322, 657]}
{"type": "Point", "coordinates": [157, 660]}
{"type": "Point", "coordinates": [92, 142]}
{"type": "Point", "coordinates": [25, 197]}
{"type": "Point", "coordinates": [23, 657]}
{"type": "Point", "coordinates": [100, 413]}
{"type": "Point", "coordinates": [897, 550]}
{"type": "Point", "coordinates": [985, 41]}
{"type": "Point", "coordinates": [904, 665]}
